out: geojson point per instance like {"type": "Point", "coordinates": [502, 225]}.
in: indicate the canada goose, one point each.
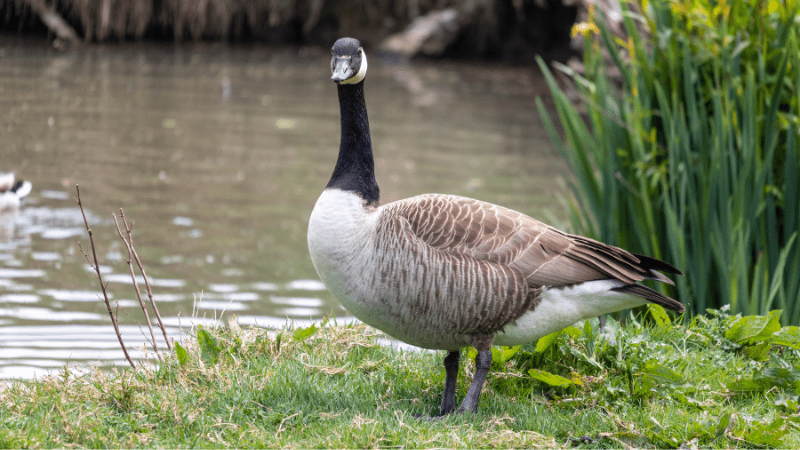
{"type": "Point", "coordinates": [10, 192]}
{"type": "Point", "coordinates": [444, 272]}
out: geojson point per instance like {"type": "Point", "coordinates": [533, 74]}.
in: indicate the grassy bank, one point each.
{"type": "Point", "coordinates": [718, 381]}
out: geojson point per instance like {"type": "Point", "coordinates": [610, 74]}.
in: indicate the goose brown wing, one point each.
{"type": "Point", "coordinates": [545, 256]}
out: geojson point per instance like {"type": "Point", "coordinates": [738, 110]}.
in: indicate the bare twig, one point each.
{"type": "Point", "coordinates": [135, 283]}
{"type": "Point", "coordinates": [96, 268]}
{"type": "Point", "coordinates": [146, 280]}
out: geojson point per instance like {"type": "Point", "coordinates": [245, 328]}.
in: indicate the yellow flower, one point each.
{"type": "Point", "coordinates": [585, 28]}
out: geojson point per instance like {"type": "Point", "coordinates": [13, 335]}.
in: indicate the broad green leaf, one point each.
{"type": "Point", "coordinates": [546, 342]}
{"type": "Point", "coordinates": [767, 379]}
{"type": "Point", "coordinates": [586, 358]}
{"type": "Point", "coordinates": [758, 352]}
{"type": "Point", "coordinates": [663, 374]}
{"type": "Point", "coordinates": [783, 377]}
{"type": "Point", "coordinates": [646, 387]}
{"type": "Point", "coordinates": [766, 433]}
{"type": "Point", "coordinates": [752, 329]}
{"type": "Point", "coordinates": [503, 354]}
{"type": "Point", "coordinates": [659, 315]}
{"type": "Point", "coordinates": [787, 403]}
{"type": "Point", "coordinates": [572, 331]}
{"type": "Point", "coordinates": [508, 352]}
{"type": "Point", "coordinates": [788, 336]}
{"type": "Point", "coordinates": [181, 354]}
{"type": "Point", "coordinates": [550, 379]}
{"type": "Point", "coordinates": [587, 329]}
{"type": "Point", "coordinates": [301, 334]}
{"type": "Point", "coordinates": [749, 385]}
{"type": "Point", "coordinates": [689, 400]}
{"type": "Point", "coordinates": [724, 421]}
{"type": "Point", "coordinates": [209, 349]}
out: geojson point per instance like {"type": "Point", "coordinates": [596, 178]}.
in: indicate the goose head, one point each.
{"type": "Point", "coordinates": [349, 62]}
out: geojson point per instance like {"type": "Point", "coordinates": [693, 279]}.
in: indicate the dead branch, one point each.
{"type": "Point", "coordinates": [135, 283]}
{"type": "Point", "coordinates": [147, 286]}
{"type": "Point", "coordinates": [96, 268]}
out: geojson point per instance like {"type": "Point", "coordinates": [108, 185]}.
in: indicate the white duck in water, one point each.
{"type": "Point", "coordinates": [444, 272]}
{"type": "Point", "coordinates": [12, 192]}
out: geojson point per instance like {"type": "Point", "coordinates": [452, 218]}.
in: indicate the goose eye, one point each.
{"type": "Point", "coordinates": [360, 51]}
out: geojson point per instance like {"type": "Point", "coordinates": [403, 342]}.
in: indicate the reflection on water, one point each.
{"type": "Point", "coordinates": [217, 155]}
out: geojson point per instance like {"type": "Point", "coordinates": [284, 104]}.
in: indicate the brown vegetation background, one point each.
{"type": "Point", "coordinates": [508, 29]}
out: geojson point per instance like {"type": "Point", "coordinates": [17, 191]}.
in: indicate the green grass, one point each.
{"type": "Point", "coordinates": [658, 384]}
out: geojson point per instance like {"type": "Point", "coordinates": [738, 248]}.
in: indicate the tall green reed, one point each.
{"type": "Point", "coordinates": [694, 158]}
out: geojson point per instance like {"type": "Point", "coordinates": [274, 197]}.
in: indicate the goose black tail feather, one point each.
{"type": "Point", "coordinates": [651, 296]}
{"type": "Point", "coordinates": [656, 264]}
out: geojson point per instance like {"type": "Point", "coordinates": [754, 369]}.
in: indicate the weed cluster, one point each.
{"type": "Point", "coordinates": [704, 376]}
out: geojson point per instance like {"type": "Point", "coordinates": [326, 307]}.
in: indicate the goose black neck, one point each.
{"type": "Point", "coordinates": [355, 168]}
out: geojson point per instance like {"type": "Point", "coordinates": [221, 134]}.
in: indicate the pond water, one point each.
{"type": "Point", "coordinates": [217, 154]}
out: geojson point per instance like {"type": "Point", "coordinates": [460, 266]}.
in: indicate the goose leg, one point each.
{"type": "Point", "coordinates": [482, 364]}
{"type": "Point", "coordinates": [451, 376]}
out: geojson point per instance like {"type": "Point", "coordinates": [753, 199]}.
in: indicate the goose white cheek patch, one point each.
{"type": "Point", "coordinates": [362, 72]}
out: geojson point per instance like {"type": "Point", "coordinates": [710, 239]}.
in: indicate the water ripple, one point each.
{"type": "Point", "coordinates": [223, 287]}
{"type": "Point", "coordinates": [221, 306]}
{"type": "Point", "coordinates": [19, 298]}
{"type": "Point", "coordinates": [21, 273]}
{"type": "Point", "coordinates": [157, 282]}
{"type": "Point", "coordinates": [75, 296]}
{"type": "Point", "coordinates": [48, 314]}
{"type": "Point", "coordinates": [307, 302]}
{"type": "Point", "coordinates": [306, 285]}
{"type": "Point", "coordinates": [263, 286]}
{"type": "Point", "coordinates": [62, 233]}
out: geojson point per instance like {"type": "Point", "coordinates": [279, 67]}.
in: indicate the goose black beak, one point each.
{"type": "Point", "coordinates": [342, 70]}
